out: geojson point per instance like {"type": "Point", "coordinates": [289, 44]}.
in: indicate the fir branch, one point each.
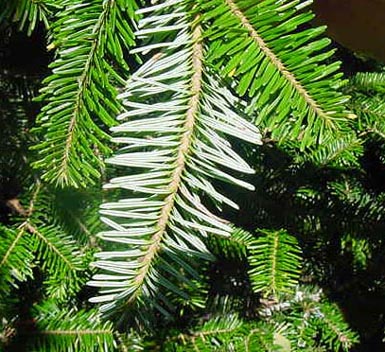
{"type": "Point", "coordinates": [210, 334]}
{"type": "Point", "coordinates": [235, 246]}
{"type": "Point", "coordinates": [225, 333]}
{"type": "Point", "coordinates": [183, 150]}
{"type": "Point", "coordinates": [28, 14]}
{"type": "Point", "coordinates": [335, 332]}
{"type": "Point", "coordinates": [71, 330]}
{"type": "Point", "coordinates": [369, 82]}
{"type": "Point", "coordinates": [342, 152]}
{"type": "Point", "coordinates": [281, 69]}
{"type": "Point", "coordinates": [176, 123]}
{"type": "Point", "coordinates": [81, 92]}
{"type": "Point", "coordinates": [38, 240]}
{"type": "Point", "coordinates": [16, 255]}
{"type": "Point", "coordinates": [178, 101]}
{"type": "Point", "coordinates": [275, 263]}
{"type": "Point", "coordinates": [15, 258]}
{"type": "Point", "coordinates": [289, 76]}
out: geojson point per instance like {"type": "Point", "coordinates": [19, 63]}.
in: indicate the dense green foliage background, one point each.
{"type": "Point", "coordinates": [303, 269]}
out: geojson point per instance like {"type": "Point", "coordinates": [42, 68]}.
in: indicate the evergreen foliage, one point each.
{"type": "Point", "coordinates": [28, 14]}
{"type": "Point", "coordinates": [284, 71]}
{"type": "Point", "coordinates": [63, 330]}
{"type": "Point", "coordinates": [177, 143]}
{"type": "Point", "coordinates": [80, 94]}
{"type": "Point", "coordinates": [275, 263]}
{"type": "Point", "coordinates": [244, 207]}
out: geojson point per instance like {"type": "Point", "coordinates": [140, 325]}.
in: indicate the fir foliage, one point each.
{"type": "Point", "coordinates": [245, 173]}
{"type": "Point", "coordinates": [275, 260]}
{"type": "Point", "coordinates": [282, 69]}
{"type": "Point", "coordinates": [16, 258]}
{"type": "Point", "coordinates": [28, 14]}
{"type": "Point", "coordinates": [37, 242]}
{"type": "Point", "coordinates": [79, 95]}
{"type": "Point", "coordinates": [71, 331]}
{"type": "Point", "coordinates": [178, 144]}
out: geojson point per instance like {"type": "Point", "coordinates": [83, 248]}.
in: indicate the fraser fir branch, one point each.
{"type": "Point", "coordinates": [278, 63]}
{"type": "Point", "coordinates": [275, 260]}
{"type": "Point", "coordinates": [71, 330]}
{"type": "Point", "coordinates": [11, 248]}
{"type": "Point", "coordinates": [177, 99]}
{"type": "Point", "coordinates": [46, 245]}
{"type": "Point", "coordinates": [82, 85]}
{"type": "Point", "coordinates": [176, 123]}
{"type": "Point", "coordinates": [15, 205]}
{"type": "Point", "coordinates": [335, 331]}
{"type": "Point", "coordinates": [75, 332]}
{"type": "Point", "coordinates": [214, 328]}
{"type": "Point", "coordinates": [28, 13]}
{"type": "Point", "coordinates": [53, 248]}
{"type": "Point", "coordinates": [15, 260]}
{"type": "Point", "coordinates": [248, 339]}
{"type": "Point", "coordinates": [282, 70]}
{"type": "Point", "coordinates": [342, 152]}
{"type": "Point", "coordinates": [185, 144]}
{"type": "Point", "coordinates": [28, 225]}
{"type": "Point", "coordinates": [81, 91]}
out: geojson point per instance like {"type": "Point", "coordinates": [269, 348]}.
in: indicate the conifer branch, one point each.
{"type": "Point", "coordinates": [282, 69]}
{"type": "Point", "coordinates": [53, 247]}
{"type": "Point", "coordinates": [184, 147]}
{"type": "Point", "coordinates": [28, 13]}
{"type": "Point", "coordinates": [275, 263]}
{"type": "Point", "coordinates": [15, 205]}
{"type": "Point", "coordinates": [179, 123]}
{"type": "Point", "coordinates": [81, 91]}
{"type": "Point", "coordinates": [188, 115]}
{"type": "Point", "coordinates": [12, 246]}
{"type": "Point", "coordinates": [278, 63]}
{"type": "Point", "coordinates": [82, 87]}
{"type": "Point", "coordinates": [71, 330]}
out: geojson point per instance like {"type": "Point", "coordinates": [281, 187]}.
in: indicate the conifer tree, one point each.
{"type": "Point", "coordinates": [184, 175]}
